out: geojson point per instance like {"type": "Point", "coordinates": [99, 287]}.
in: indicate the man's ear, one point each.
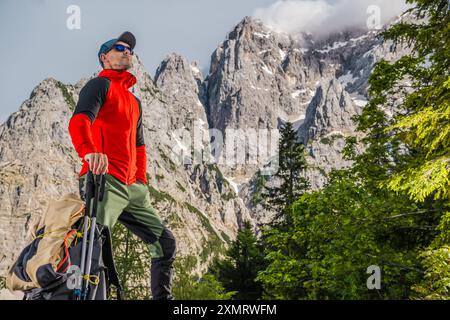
{"type": "Point", "coordinates": [103, 57]}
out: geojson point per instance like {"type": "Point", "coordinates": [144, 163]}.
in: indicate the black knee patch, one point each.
{"type": "Point", "coordinates": [168, 244]}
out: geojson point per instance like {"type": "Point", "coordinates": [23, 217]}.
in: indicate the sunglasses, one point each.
{"type": "Point", "coordinates": [122, 48]}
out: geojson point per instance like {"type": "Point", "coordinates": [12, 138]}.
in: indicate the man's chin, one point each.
{"type": "Point", "coordinates": [124, 66]}
{"type": "Point", "coordinates": [128, 65]}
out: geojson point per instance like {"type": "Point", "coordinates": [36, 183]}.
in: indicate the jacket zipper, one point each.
{"type": "Point", "coordinates": [103, 143]}
{"type": "Point", "coordinates": [129, 137]}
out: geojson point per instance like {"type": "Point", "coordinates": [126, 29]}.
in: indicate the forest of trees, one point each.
{"type": "Point", "coordinates": [389, 209]}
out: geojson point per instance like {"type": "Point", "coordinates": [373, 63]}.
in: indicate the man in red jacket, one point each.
{"type": "Point", "coordinates": [107, 133]}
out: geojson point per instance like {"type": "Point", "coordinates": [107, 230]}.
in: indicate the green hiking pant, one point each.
{"type": "Point", "coordinates": [130, 205]}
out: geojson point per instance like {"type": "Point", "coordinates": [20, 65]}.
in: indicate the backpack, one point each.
{"type": "Point", "coordinates": [49, 268]}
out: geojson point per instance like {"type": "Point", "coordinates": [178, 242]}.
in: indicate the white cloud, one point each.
{"type": "Point", "coordinates": [321, 17]}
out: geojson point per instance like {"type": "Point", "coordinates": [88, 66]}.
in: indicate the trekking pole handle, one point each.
{"type": "Point", "coordinates": [98, 181]}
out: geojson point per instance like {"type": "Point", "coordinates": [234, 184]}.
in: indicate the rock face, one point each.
{"type": "Point", "coordinates": [258, 80]}
{"type": "Point", "coordinates": [36, 162]}
{"type": "Point", "coordinates": [330, 110]}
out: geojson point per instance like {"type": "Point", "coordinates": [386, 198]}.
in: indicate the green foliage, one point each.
{"type": "Point", "coordinates": [189, 287]}
{"type": "Point", "coordinates": [180, 187]}
{"type": "Point", "coordinates": [154, 91]}
{"type": "Point", "coordinates": [221, 180]}
{"type": "Point", "coordinates": [337, 233]}
{"type": "Point", "coordinates": [436, 261]}
{"type": "Point", "coordinates": [261, 180]}
{"type": "Point", "coordinates": [330, 140]}
{"type": "Point", "coordinates": [417, 138]}
{"type": "Point", "coordinates": [238, 270]}
{"type": "Point", "coordinates": [167, 159]}
{"type": "Point", "coordinates": [158, 196]}
{"type": "Point", "coordinates": [414, 145]}
{"type": "Point", "coordinates": [213, 243]}
{"type": "Point", "coordinates": [68, 98]}
{"type": "Point", "coordinates": [203, 219]}
{"type": "Point", "coordinates": [436, 282]}
{"type": "Point", "coordinates": [225, 237]}
{"type": "Point", "coordinates": [211, 247]}
{"type": "Point", "coordinates": [215, 168]}
{"type": "Point", "coordinates": [228, 196]}
{"type": "Point", "coordinates": [132, 257]}
{"type": "Point", "coordinates": [291, 165]}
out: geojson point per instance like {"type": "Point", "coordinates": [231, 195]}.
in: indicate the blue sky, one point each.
{"type": "Point", "coordinates": [37, 43]}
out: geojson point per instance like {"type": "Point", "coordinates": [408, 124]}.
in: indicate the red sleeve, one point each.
{"type": "Point", "coordinates": [141, 163]}
{"type": "Point", "coordinates": [81, 135]}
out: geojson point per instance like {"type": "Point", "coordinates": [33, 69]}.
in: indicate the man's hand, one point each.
{"type": "Point", "coordinates": [98, 162]}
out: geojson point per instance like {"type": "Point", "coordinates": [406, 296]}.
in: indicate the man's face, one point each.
{"type": "Point", "coordinates": [117, 60]}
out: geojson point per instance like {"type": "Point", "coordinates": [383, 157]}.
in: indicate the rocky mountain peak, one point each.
{"type": "Point", "coordinates": [245, 27]}
{"type": "Point", "coordinates": [177, 68]}
{"type": "Point", "coordinates": [331, 110]}
{"type": "Point", "coordinates": [182, 86]}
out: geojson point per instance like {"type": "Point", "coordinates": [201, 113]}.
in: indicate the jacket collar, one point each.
{"type": "Point", "coordinates": [124, 77]}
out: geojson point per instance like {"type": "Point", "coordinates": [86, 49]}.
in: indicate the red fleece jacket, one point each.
{"type": "Point", "coordinates": [108, 119]}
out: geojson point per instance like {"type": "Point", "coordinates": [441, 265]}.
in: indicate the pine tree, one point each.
{"type": "Point", "coordinates": [243, 260]}
{"type": "Point", "coordinates": [291, 183]}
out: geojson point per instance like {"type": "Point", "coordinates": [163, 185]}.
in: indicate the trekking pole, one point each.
{"type": "Point", "coordinates": [98, 183]}
{"type": "Point", "coordinates": [88, 196]}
